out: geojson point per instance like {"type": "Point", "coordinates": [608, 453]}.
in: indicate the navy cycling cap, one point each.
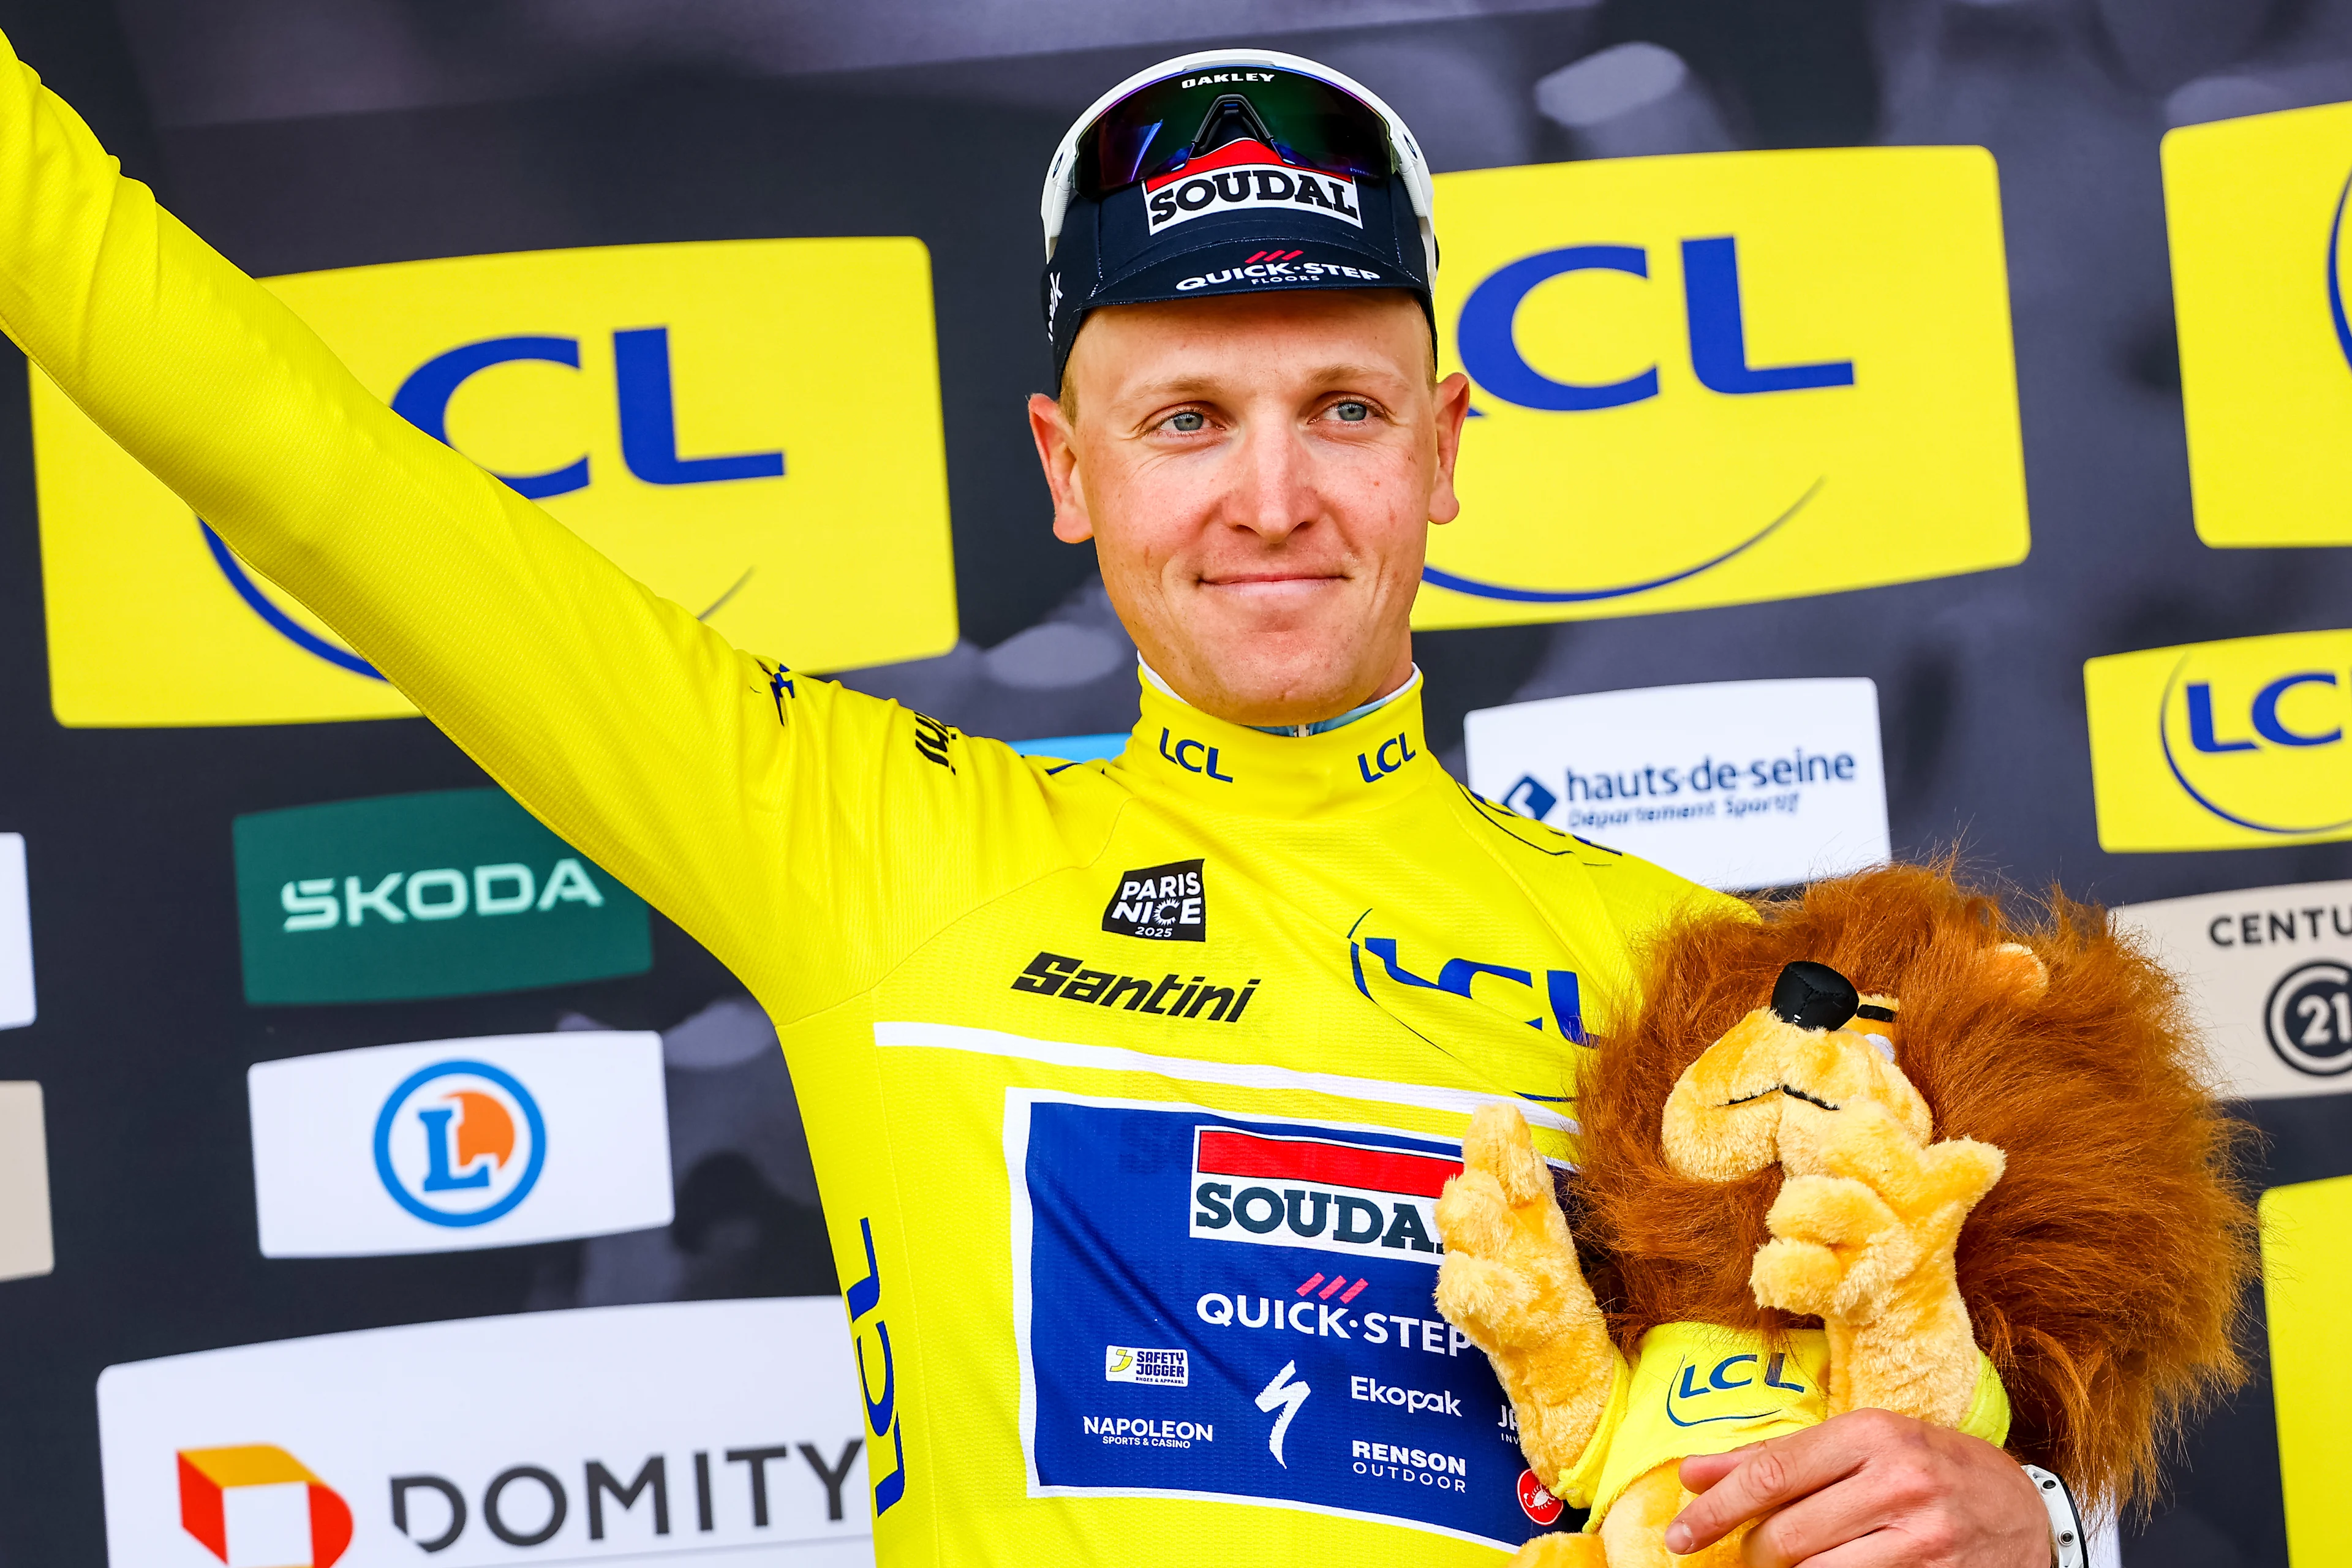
{"type": "Point", "coordinates": [1229, 172]}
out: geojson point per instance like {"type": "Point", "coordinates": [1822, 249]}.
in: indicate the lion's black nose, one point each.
{"type": "Point", "coordinates": [1813, 997]}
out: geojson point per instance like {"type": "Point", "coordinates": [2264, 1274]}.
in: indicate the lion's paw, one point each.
{"type": "Point", "coordinates": [1836, 1245]}
{"type": "Point", "coordinates": [1567, 1549]}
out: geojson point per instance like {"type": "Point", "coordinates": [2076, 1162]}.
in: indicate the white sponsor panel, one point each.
{"type": "Point", "coordinates": [26, 1248]}
{"type": "Point", "coordinates": [2268, 971]}
{"type": "Point", "coordinates": [16, 1008]}
{"type": "Point", "coordinates": [727, 1433]}
{"type": "Point", "coordinates": [451, 1144]}
{"type": "Point", "coordinates": [1735, 783]}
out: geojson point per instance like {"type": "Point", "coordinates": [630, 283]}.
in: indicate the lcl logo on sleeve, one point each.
{"type": "Point", "coordinates": [2269, 973]}
{"type": "Point", "coordinates": [455, 1144]}
{"type": "Point", "coordinates": [751, 428]}
{"type": "Point", "coordinates": [17, 1002]}
{"type": "Point", "coordinates": [707, 1431]}
{"type": "Point", "coordinates": [450, 893]}
{"type": "Point", "coordinates": [2261, 276]}
{"type": "Point", "coordinates": [1712, 379]}
{"type": "Point", "coordinates": [2222, 745]}
{"type": "Point", "coordinates": [1734, 783]}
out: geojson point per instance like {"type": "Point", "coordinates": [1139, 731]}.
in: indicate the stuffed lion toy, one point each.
{"type": "Point", "coordinates": [1878, 1148]}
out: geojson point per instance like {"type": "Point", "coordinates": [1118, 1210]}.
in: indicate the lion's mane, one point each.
{"type": "Point", "coordinates": [2105, 1274]}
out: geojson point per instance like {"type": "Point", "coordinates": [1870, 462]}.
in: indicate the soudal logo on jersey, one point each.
{"type": "Point", "coordinates": [1170, 995]}
{"type": "Point", "coordinates": [1243, 175]}
{"type": "Point", "coordinates": [1307, 1192]}
{"type": "Point", "coordinates": [1163, 903]}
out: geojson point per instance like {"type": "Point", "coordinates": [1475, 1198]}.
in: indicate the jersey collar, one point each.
{"type": "Point", "coordinates": [1177, 750]}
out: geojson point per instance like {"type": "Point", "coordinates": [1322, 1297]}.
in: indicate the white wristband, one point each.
{"type": "Point", "coordinates": [2065, 1525]}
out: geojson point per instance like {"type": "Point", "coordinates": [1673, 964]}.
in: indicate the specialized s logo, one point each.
{"type": "Point", "coordinates": [1243, 175]}
{"type": "Point", "coordinates": [259, 1504]}
{"type": "Point", "coordinates": [2220, 745]}
{"type": "Point", "coordinates": [460, 1144]}
{"type": "Point", "coordinates": [1164, 903]}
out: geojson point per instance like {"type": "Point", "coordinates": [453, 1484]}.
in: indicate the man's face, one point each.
{"type": "Point", "coordinates": [1257, 473]}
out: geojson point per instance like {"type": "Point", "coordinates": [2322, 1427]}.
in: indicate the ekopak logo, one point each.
{"type": "Point", "coordinates": [258, 1506]}
{"type": "Point", "coordinates": [654, 398]}
{"type": "Point", "coordinates": [2223, 743]}
{"type": "Point", "coordinates": [1613, 321]}
{"type": "Point", "coordinates": [460, 1144]}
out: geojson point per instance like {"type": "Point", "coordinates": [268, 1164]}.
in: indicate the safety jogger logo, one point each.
{"type": "Point", "coordinates": [1287, 1268]}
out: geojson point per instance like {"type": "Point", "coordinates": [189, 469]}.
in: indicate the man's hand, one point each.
{"type": "Point", "coordinates": [1867, 1490]}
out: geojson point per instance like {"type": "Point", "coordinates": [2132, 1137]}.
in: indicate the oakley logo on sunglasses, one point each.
{"type": "Point", "coordinates": [1242, 175]}
{"type": "Point", "coordinates": [1214, 77]}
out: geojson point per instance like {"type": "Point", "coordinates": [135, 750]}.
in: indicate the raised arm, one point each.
{"type": "Point", "coordinates": [679, 764]}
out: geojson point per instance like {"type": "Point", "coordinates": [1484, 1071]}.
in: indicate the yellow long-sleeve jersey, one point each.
{"type": "Point", "coordinates": [1130, 1086]}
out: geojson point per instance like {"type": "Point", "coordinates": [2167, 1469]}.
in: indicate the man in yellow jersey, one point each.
{"type": "Point", "coordinates": [1130, 1086]}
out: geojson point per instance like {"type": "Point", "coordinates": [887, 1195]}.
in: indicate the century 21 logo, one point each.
{"type": "Point", "coordinates": [1710, 380]}
{"type": "Point", "coordinates": [2220, 745]}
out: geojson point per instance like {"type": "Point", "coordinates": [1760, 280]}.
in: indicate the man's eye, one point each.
{"type": "Point", "coordinates": [1352, 412]}
{"type": "Point", "coordinates": [1191, 422]}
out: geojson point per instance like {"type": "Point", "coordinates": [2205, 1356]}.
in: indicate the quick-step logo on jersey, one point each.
{"type": "Point", "coordinates": [257, 1504]}
{"type": "Point", "coordinates": [657, 399]}
{"type": "Point", "coordinates": [2258, 210]}
{"type": "Point", "coordinates": [1831, 328]}
{"type": "Point", "coordinates": [448, 893]}
{"type": "Point", "coordinates": [1241, 175]}
{"type": "Point", "coordinates": [2220, 745]}
{"type": "Point", "coordinates": [1163, 903]}
{"type": "Point", "coordinates": [1319, 1374]}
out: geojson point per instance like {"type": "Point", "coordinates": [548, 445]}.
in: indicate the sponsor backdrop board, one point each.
{"type": "Point", "coordinates": [1829, 329]}
{"type": "Point", "coordinates": [715, 1431]}
{"type": "Point", "coordinates": [1739, 784]}
{"type": "Point", "coordinates": [2260, 274]}
{"type": "Point", "coordinates": [706, 415]}
{"type": "Point", "coordinates": [27, 1247]}
{"type": "Point", "coordinates": [2308, 1293]}
{"type": "Point", "coordinates": [460, 1144]}
{"type": "Point", "coordinates": [17, 999]}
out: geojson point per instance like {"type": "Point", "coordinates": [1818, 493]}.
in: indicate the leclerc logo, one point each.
{"type": "Point", "coordinates": [445, 894]}
{"type": "Point", "coordinates": [1830, 328]}
{"type": "Point", "coordinates": [483, 1144]}
{"type": "Point", "coordinates": [662, 401]}
{"type": "Point", "coordinates": [460, 1144]}
{"type": "Point", "coordinates": [2224, 744]}
{"type": "Point", "coordinates": [259, 1507]}
{"type": "Point", "coordinates": [2261, 284]}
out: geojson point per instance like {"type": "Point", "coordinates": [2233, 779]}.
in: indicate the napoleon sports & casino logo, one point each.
{"type": "Point", "coordinates": [2261, 273]}
{"type": "Point", "coordinates": [706, 415]}
{"type": "Point", "coordinates": [2222, 746]}
{"type": "Point", "coordinates": [1829, 329]}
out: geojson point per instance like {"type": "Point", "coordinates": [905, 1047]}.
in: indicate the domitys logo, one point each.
{"type": "Point", "coordinates": [1830, 328]}
{"type": "Point", "coordinates": [258, 1506]}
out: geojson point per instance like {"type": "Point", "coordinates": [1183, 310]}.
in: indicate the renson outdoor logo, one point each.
{"type": "Point", "coordinates": [646, 410]}
{"type": "Point", "coordinates": [2259, 741]}
{"type": "Point", "coordinates": [1716, 330]}
{"type": "Point", "coordinates": [259, 1504]}
{"type": "Point", "coordinates": [460, 1144]}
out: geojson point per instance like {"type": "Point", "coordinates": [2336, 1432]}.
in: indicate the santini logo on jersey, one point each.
{"type": "Point", "coordinates": [1165, 903]}
{"type": "Point", "coordinates": [1170, 996]}
{"type": "Point", "coordinates": [1305, 1192]}
{"type": "Point", "coordinates": [1243, 175]}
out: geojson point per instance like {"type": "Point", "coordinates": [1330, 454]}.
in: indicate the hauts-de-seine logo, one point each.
{"type": "Point", "coordinates": [2257, 209]}
{"type": "Point", "coordinates": [2222, 744]}
{"type": "Point", "coordinates": [661, 401]}
{"type": "Point", "coordinates": [256, 1505]}
{"type": "Point", "coordinates": [1830, 328]}
{"type": "Point", "coordinates": [460, 1144]}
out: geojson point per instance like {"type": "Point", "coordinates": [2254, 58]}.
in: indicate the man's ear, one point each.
{"type": "Point", "coordinates": [1057, 452]}
{"type": "Point", "coordinates": [1453, 400]}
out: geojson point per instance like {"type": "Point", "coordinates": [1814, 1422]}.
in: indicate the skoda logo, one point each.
{"type": "Point", "coordinates": [459, 1143]}
{"type": "Point", "coordinates": [2309, 1018]}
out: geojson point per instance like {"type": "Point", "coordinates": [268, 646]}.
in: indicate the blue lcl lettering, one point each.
{"type": "Point", "coordinates": [2200, 722]}
{"type": "Point", "coordinates": [1719, 329]}
{"type": "Point", "coordinates": [424, 400]}
{"type": "Point", "coordinates": [882, 1411]}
